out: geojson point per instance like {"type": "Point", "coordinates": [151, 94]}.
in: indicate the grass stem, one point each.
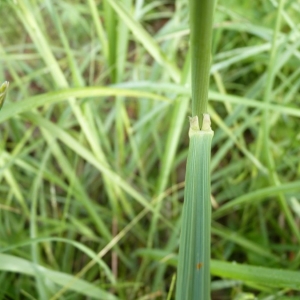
{"type": "Point", "coordinates": [201, 18]}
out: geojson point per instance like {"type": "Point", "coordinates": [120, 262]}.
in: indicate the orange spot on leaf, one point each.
{"type": "Point", "coordinates": [199, 265]}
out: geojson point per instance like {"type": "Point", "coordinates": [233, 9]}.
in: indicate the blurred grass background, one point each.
{"type": "Point", "coordinates": [94, 139]}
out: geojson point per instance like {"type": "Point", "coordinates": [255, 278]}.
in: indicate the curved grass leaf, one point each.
{"type": "Point", "coordinates": [61, 95]}
{"type": "Point", "coordinates": [10, 263]}
{"type": "Point", "coordinates": [76, 244]}
{"type": "Point", "coordinates": [258, 195]}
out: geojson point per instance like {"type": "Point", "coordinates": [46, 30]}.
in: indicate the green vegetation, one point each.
{"type": "Point", "coordinates": [3, 92]}
{"type": "Point", "coordinates": [94, 139]}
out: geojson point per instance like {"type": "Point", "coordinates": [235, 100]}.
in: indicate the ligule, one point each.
{"type": "Point", "coordinates": [194, 252]}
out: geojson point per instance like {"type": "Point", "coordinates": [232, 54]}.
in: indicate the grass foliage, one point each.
{"type": "Point", "coordinates": [94, 136]}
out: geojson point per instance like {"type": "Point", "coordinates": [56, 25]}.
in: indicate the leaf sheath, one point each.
{"type": "Point", "coordinates": [194, 255]}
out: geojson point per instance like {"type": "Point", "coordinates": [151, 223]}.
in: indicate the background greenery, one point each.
{"type": "Point", "coordinates": [94, 138]}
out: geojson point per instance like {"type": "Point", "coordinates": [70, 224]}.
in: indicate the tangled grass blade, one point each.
{"type": "Point", "coordinates": [194, 252]}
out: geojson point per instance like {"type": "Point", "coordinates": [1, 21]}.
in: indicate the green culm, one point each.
{"type": "Point", "coordinates": [193, 279]}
